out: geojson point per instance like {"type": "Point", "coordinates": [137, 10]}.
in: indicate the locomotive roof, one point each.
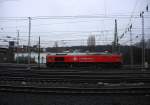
{"type": "Point", "coordinates": [94, 53]}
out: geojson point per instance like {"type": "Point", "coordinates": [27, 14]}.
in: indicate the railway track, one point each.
{"type": "Point", "coordinates": [55, 85]}
{"type": "Point", "coordinates": [76, 75]}
{"type": "Point", "coordinates": [132, 90]}
{"type": "Point", "coordinates": [43, 67]}
{"type": "Point", "coordinates": [20, 79]}
{"type": "Point", "coordinates": [82, 76]}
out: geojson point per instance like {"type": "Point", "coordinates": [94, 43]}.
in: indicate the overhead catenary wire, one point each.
{"type": "Point", "coordinates": [130, 19]}
{"type": "Point", "coordinates": [71, 17]}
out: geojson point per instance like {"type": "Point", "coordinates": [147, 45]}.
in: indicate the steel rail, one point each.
{"type": "Point", "coordinates": [78, 90]}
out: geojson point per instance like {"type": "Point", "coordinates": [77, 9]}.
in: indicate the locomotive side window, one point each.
{"type": "Point", "coordinates": [59, 59]}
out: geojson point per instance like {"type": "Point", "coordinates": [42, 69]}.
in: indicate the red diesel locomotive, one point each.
{"type": "Point", "coordinates": [98, 60]}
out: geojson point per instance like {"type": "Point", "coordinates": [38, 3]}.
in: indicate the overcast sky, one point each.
{"type": "Point", "coordinates": [72, 30]}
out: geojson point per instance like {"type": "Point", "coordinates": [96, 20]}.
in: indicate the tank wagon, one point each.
{"type": "Point", "coordinates": [98, 60]}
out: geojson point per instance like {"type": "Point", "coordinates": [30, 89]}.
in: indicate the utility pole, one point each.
{"type": "Point", "coordinates": [131, 47]}
{"type": "Point", "coordinates": [39, 52]}
{"type": "Point", "coordinates": [29, 52]}
{"type": "Point", "coordinates": [17, 46]}
{"type": "Point", "coordinates": [143, 40]}
{"type": "Point", "coordinates": [115, 43]}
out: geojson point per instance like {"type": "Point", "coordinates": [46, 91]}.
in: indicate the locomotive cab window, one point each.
{"type": "Point", "coordinates": [59, 59]}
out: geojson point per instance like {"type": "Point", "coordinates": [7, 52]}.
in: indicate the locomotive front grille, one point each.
{"type": "Point", "coordinates": [59, 59]}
